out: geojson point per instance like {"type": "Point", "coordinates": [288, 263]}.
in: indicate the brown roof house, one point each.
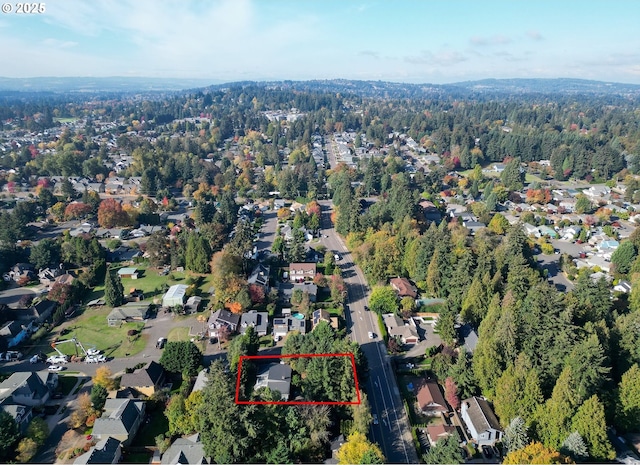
{"type": "Point", "coordinates": [299, 272]}
{"type": "Point", "coordinates": [481, 421]}
{"type": "Point", "coordinates": [437, 432]}
{"type": "Point", "coordinates": [430, 399]}
{"type": "Point", "coordinates": [403, 287]}
{"type": "Point", "coordinates": [146, 381]}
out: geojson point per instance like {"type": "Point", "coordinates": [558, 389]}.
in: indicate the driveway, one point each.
{"type": "Point", "coordinates": [554, 274]}
{"type": "Point", "coordinates": [12, 296]}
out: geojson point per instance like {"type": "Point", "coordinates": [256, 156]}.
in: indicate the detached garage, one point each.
{"type": "Point", "coordinates": [175, 296]}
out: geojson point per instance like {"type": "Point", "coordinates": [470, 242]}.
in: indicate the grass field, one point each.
{"type": "Point", "coordinates": [91, 329]}
{"type": "Point", "coordinates": [181, 333]}
{"type": "Point", "coordinates": [65, 120]}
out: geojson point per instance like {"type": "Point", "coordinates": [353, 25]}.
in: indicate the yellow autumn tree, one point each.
{"type": "Point", "coordinates": [537, 453]}
{"type": "Point", "coordinates": [104, 377]}
{"type": "Point", "coordinates": [358, 449]}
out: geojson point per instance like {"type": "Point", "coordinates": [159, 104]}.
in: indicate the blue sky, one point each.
{"type": "Point", "coordinates": [395, 40]}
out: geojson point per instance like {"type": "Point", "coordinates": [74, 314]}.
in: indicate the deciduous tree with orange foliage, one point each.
{"type": "Point", "coordinates": [111, 214]}
{"type": "Point", "coordinates": [76, 210]}
{"type": "Point", "coordinates": [541, 196]}
{"type": "Point", "coordinates": [535, 453]}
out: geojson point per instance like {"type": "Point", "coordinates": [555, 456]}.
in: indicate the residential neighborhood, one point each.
{"type": "Point", "coordinates": [147, 260]}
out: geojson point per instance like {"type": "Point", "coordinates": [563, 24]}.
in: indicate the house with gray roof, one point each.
{"type": "Point", "coordinates": [481, 421]}
{"type": "Point", "coordinates": [21, 414]}
{"type": "Point", "coordinates": [260, 276]}
{"type": "Point", "coordinates": [26, 388]}
{"type": "Point", "coordinates": [121, 420]}
{"type": "Point", "coordinates": [201, 380]}
{"type": "Point", "coordinates": [108, 450]}
{"type": "Point", "coordinates": [284, 325]}
{"type": "Point", "coordinates": [276, 377]}
{"type": "Point", "coordinates": [259, 320]}
{"type": "Point", "coordinates": [396, 327]}
{"type": "Point", "coordinates": [145, 381]}
{"type": "Point", "coordinates": [185, 451]}
{"type": "Point", "coordinates": [221, 318]}
{"type": "Point", "coordinates": [131, 311]}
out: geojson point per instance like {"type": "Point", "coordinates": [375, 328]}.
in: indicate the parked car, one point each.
{"type": "Point", "coordinates": [13, 355]}
{"type": "Point", "coordinates": [93, 351]}
{"type": "Point", "coordinates": [96, 359]}
{"type": "Point", "coordinates": [55, 368]}
{"type": "Point", "coordinates": [161, 342]}
{"type": "Point", "coordinates": [57, 395]}
{"type": "Point", "coordinates": [56, 359]}
{"type": "Point", "coordinates": [371, 335]}
{"type": "Point", "coordinates": [375, 418]}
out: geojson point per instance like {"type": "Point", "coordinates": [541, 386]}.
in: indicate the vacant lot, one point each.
{"type": "Point", "coordinates": [91, 330]}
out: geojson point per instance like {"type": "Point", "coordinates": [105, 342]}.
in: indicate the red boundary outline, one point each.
{"type": "Point", "coordinates": [293, 402]}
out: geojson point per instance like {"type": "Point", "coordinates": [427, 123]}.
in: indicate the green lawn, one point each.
{"type": "Point", "coordinates": [151, 283]}
{"type": "Point", "coordinates": [91, 329]}
{"type": "Point", "coordinates": [66, 384]}
{"type": "Point", "coordinates": [148, 432]}
{"type": "Point", "coordinates": [65, 120]}
{"type": "Point", "coordinates": [181, 333]}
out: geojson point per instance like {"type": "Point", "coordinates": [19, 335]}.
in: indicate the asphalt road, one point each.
{"type": "Point", "coordinates": [392, 433]}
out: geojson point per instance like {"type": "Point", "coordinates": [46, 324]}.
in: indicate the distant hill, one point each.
{"type": "Point", "coordinates": [482, 88]}
{"type": "Point", "coordinates": [381, 89]}
{"type": "Point", "coordinates": [548, 86]}
{"type": "Point", "coordinates": [100, 84]}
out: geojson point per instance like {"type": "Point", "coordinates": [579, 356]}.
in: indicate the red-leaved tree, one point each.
{"type": "Point", "coordinates": [451, 393]}
{"type": "Point", "coordinates": [256, 292]}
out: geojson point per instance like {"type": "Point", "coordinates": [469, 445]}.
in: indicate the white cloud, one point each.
{"type": "Point", "coordinates": [441, 58]}
{"type": "Point", "coordinates": [489, 41]}
{"type": "Point", "coordinates": [534, 35]}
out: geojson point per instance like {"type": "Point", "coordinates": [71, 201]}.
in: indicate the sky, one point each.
{"type": "Point", "coordinates": [417, 41]}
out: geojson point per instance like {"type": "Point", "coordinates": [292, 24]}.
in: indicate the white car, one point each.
{"type": "Point", "coordinates": [93, 351]}
{"type": "Point", "coordinates": [57, 359]}
{"type": "Point", "coordinates": [371, 335]}
{"type": "Point", "coordinates": [55, 368]}
{"type": "Point", "coordinates": [96, 359]}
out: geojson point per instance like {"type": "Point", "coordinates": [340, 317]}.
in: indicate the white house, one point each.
{"type": "Point", "coordinates": [481, 421]}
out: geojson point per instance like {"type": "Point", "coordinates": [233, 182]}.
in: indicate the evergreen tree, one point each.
{"type": "Point", "coordinates": [589, 421]}
{"type": "Point", "coordinates": [446, 450]}
{"type": "Point", "coordinates": [474, 305]}
{"type": "Point", "coordinates": [197, 256]}
{"type": "Point", "coordinates": [488, 361]}
{"type": "Point", "coordinates": [628, 405]}
{"type": "Point", "coordinates": [515, 435]}
{"type": "Point", "coordinates": [9, 434]}
{"type": "Point", "coordinates": [518, 392]}
{"type": "Point", "coordinates": [554, 417]}
{"type": "Point", "coordinates": [113, 289]}
{"type": "Point", "coordinates": [575, 447]}
{"type": "Point", "coordinates": [445, 326]}
{"type": "Point", "coordinates": [512, 177]}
